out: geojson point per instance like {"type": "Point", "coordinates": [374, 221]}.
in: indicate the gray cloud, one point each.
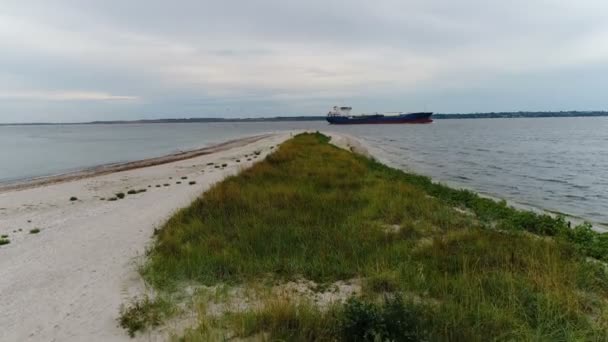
{"type": "Point", "coordinates": [74, 60]}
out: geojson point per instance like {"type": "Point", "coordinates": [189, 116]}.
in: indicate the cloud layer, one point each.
{"type": "Point", "coordinates": [77, 61]}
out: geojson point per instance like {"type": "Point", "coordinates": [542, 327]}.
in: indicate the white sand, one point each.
{"type": "Point", "coordinates": [67, 282]}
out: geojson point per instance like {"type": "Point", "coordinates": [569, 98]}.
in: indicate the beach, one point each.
{"type": "Point", "coordinates": [68, 281]}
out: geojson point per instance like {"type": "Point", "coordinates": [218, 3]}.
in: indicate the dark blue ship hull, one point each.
{"type": "Point", "coordinates": [411, 118]}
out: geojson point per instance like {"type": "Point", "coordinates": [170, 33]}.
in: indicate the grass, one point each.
{"type": "Point", "coordinates": [120, 195]}
{"type": "Point", "coordinates": [131, 192]}
{"type": "Point", "coordinates": [192, 182]}
{"type": "Point", "coordinates": [143, 313]}
{"type": "Point", "coordinates": [73, 198]}
{"type": "Point", "coordinates": [34, 231]}
{"type": "Point", "coordinates": [4, 236]}
{"type": "Point", "coordinates": [4, 241]}
{"type": "Point", "coordinates": [436, 263]}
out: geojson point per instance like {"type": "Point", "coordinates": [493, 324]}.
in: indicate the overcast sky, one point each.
{"type": "Point", "coordinates": [75, 60]}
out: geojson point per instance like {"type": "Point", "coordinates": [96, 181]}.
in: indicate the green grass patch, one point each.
{"type": "Point", "coordinates": [34, 231]}
{"type": "Point", "coordinates": [430, 269]}
{"type": "Point", "coordinates": [4, 241]}
{"type": "Point", "coordinates": [144, 313]}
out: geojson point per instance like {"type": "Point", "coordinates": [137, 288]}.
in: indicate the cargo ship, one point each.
{"type": "Point", "coordinates": [342, 116]}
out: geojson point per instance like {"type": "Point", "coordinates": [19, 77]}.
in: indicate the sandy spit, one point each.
{"type": "Point", "coordinates": [67, 282]}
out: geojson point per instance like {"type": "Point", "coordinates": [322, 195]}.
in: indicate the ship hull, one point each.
{"type": "Point", "coordinates": [412, 118]}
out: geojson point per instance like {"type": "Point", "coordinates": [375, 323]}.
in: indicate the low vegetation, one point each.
{"type": "Point", "coordinates": [143, 313]}
{"type": "Point", "coordinates": [35, 231]}
{"type": "Point", "coordinates": [192, 182]}
{"type": "Point", "coordinates": [4, 241]}
{"type": "Point", "coordinates": [73, 198]}
{"type": "Point", "coordinates": [120, 195]}
{"type": "Point", "coordinates": [434, 263]}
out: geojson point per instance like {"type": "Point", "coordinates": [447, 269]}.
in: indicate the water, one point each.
{"type": "Point", "coordinates": [559, 164]}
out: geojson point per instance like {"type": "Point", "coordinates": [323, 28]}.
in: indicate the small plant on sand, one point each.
{"type": "Point", "coordinates": [131, 192]}
{"type": "Point", "coordinates": [224, 165]}
{"type": "Point", "coordinates": [4, 241]}
{"type": "Point", "coordinates": [143, 313]}
{"type": "Point", "coordinates": [166, 184]}
{"type": "Point", "coordinates": [112, 199]}
{"type": "Point", "coordinates": [158, 185]}
{"type": "Point", "coordinates": [192, 182]}
{"type": "Point", "coordinates": [178, 182]}
{"type": "Point", "coordinates": [4, 236]}
{"type": "Point", "coordinates": [209, 163]}
{"type": "Point", "coordinates": [217, 166]}
{"type": "Point", "coordinates": [120, 195]}
{"type": "Point", "coordinates": [73, 198]}
{"type": "Point", "coordinates": [34, 231]}
{"type": "Point", "coordinates": [102, 198]}
{"type": "Point", "coordinates": [184, 177]}
{"type": "Point", "coordinates": [141, 190]}
{"type": "Point", "coordinates": [238, 160]}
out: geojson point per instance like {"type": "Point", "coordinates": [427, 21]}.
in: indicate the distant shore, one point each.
{"type": "Point", "coordinates": [488, 115]}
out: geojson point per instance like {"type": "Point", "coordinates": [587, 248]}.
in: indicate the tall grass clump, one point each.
{"type": "Point", "coordinates": [430, 270]}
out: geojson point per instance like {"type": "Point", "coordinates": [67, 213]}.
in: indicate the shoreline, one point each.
{"type": "Point", "coordinates": [70, 265]}
{"type": "Point", "coordinates": [81, 267]}
{"type": "Point", "coordinates": [109, 168]}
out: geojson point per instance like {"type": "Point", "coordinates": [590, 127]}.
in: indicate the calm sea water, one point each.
{"type": "Point", "coordinates": [559, 164]}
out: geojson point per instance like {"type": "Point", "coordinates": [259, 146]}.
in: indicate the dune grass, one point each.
{"type": "Point", "coordinates": [436, 263]}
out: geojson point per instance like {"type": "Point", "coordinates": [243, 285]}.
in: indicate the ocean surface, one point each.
{"type": "Point", "coordinates": [557, 164]}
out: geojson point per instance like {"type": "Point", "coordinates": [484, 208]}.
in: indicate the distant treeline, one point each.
{"type": "Point", "coordinates": [490, 115]}
{"type": "Point", "coordinates": [496, 115]}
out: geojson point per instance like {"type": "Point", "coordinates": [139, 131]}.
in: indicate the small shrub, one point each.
{"type": "Point", "coordinates": [178, 182]}
{"type": "Point", "coordinates": [4, 236]}
{"type": "Point", "coordinates": [112, 199]}
{"type": "Point", "coordinates": [158, 185]}
{"type": "Point", "coordinates": [238, 160]}
{"type": "Point", "coordinates": [131, 192]}
{"type": "Point", "coordinates": [34, 231]}
{"type": "Point", "coordinates": [224, 165]}
{"type": "Point", "coordinates": [73, 198]}
{"type": "Point", "coordinates": [102, 198]}
{"type": "Point", "coordinates": [166, 184]}
{"type": "Point", "coordinates": [209, 163]}
{"type": "Point", "coordinates": [120, 195]}
{"type": "Point", "coordinates": [141, 190]}
{"type": "Point", "coordinates": [192, 183]}
{"type": "Point", "coordinates": [142, 314]}
{"type": "Point", "coordinates": [217, 166]}
{"type": "Point", "coordinates": [396, 320]}
{"type": "Point", "coordinates": [4, 242]}
{"type": "Point", "coordinates": [184, 177]}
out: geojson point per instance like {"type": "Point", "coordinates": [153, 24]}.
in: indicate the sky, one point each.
{"type": "Point", "coordinates": [82, 60]}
